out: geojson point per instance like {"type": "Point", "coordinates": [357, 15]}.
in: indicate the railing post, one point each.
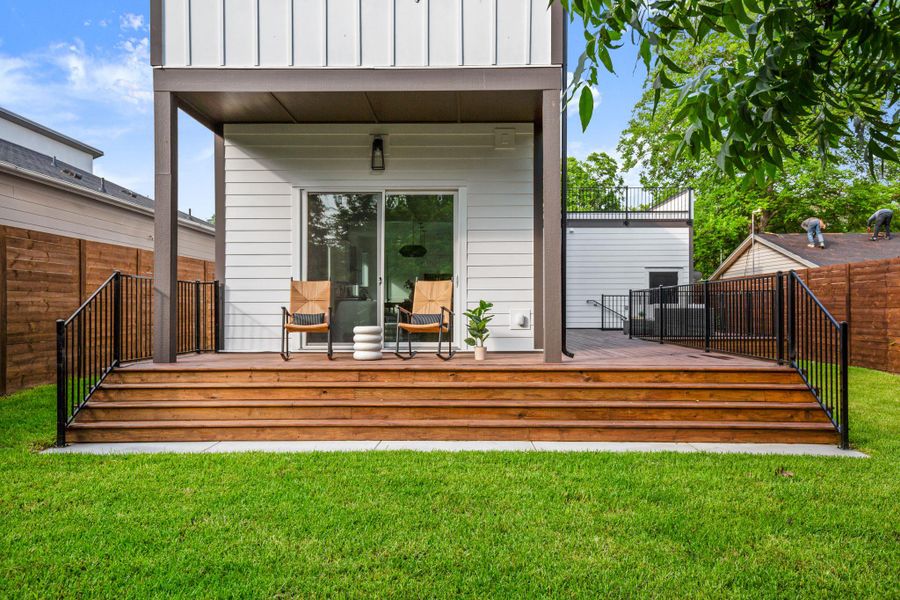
{"type": "Point", "coordinates": [845, 392]}
{"type": "Point", "coordinates": [792, 321]}
{"type": "Point", "coordinates": [197, 347]}
{"type": "Point", "coordinates": [630, 314]}
{"type": "Point", "coordinates": [217, 317]}
{"type": "Point", "coordinates": [706, 314]}
{"type": "Point", "coordinates": [62, 394]}
{"type": "Point", "coordinates": [117, 319]}
{"type": "Point", "coordinates": [662, 314]}
{"type": "Point", "coordinates": [779, 317]}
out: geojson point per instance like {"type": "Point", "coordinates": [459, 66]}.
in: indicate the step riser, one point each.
{"type": "Point", "coordinates": [99, 413]}
{"type": "Point", "coordinates": [387, 376]}
{"type": "Point", "coordinates": [453, 433]}
{"type": "Point", "coordinates": [731, 395]}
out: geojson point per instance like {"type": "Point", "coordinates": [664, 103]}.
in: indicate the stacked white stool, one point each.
{"type": "Point", "coordinates": [367, 342]}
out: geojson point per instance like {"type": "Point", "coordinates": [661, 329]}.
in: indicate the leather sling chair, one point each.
{"type": "Point", "coordinates": [310, 313]}
{"type": "Point", "coordinates": [429, 315]}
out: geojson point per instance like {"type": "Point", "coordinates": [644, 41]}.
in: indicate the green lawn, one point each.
{"type": "Point", "coordinates": [439, 524]}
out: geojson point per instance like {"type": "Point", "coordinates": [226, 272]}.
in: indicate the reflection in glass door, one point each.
{"type": "Point", "coordinates": [418, 244]}
{"type": "Point", "coordinates": [341, 233]}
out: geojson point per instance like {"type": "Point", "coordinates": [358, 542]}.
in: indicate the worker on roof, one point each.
{"type": "Point", "coordinates": [814, 226]}
{"type": "Point", "coordinates": [882, 219]}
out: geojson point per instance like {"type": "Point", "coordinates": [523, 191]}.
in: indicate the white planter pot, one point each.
{"type": "Point", "coordinates": [366, 338]}
{"type": "Point", "coordinates": [480, 352]}
{"type": "Point", "coordinates": [367, 346]}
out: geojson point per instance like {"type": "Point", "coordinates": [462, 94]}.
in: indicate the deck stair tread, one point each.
{"type": "Point", "coordinates": [456, 385]}
{"type": "Point", "coordinates": [443, 423]}
{"type": "Point", "coordinates": [478, 403]}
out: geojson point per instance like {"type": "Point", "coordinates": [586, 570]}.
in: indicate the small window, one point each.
{"type": "Point", "coordinates": [663, 278]}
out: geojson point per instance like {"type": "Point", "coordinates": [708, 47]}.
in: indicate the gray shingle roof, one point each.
{"type": "Point", "coordinates": [28, 159]}
{"type": "Point", "coordinates": [840, 248]}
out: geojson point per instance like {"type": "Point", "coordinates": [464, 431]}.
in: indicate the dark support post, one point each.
{"type": "Point", "coordinates": [165, 239]}
{"type": "Point", "coordinates": [117, 319]}
{"type": "Point", "coordinates": [630, 314]}
{"type": "Point", "coordinates": [845, 392]}
{"type": "Point", "coordinates": [662, 314]}
{"type": "Point", "coordinates": [217, 316]}
{"type": "Point", "coordinates": [61, 392]}
{"type": "Point", "coordinates": [552, 224]}
{"type": "Point", "coordinates": [706, 316]}
{"type": "Point", "coordinates": [197, 321]}
{"type": "Point", "coordinates": [779, 317]}
{"type": "Point", "coordinates": [792, 321]}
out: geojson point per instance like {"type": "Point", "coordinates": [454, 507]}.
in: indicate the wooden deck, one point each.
{"type": "Point", "coordinates": [614, 389]}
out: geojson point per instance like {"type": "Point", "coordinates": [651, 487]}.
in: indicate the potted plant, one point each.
{"type": "Point", "coordinates": [479, 317]}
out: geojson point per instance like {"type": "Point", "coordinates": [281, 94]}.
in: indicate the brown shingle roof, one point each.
{"type": "Point", "coordinates": [840, 248]}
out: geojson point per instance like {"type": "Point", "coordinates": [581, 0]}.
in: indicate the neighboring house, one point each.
{"type": "Point", "coordinates": [393, 123]}
{"type": "Point", "coordinates": [620, 240]}
{"type": "Point", "coordinates": [47, 184]}
{"type": "Point", "coordinates": [772, 252]}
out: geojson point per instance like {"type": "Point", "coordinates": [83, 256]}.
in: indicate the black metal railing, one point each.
{"type": "Point", "coordinates": [772, 317]}
{"type": "Point", "coordinates": [114, 326]}
{"type": "Point", "coordinates": [630, 203]}
{"type": "Point", "coordinates": [613, 310]}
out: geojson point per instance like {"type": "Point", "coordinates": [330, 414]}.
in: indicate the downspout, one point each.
{"type": "Point", "coordinates": [564, 144]}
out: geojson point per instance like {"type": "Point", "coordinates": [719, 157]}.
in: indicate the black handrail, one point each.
{"type": "Point", "coordinates": [619, 301]}
{"type": "Point", "coordinates": [760, 317]}
{"type": "Point", "coordinates": [114, 326]}
{"type": "Point", "coordinates": [630, 203]}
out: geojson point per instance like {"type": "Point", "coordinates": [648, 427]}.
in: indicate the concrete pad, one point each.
{"type": "Point", "coordinates": [785, 449]}
{"type": "Point", "coordinates": [304, 446]}
{"type": "Point", "coordinates": [614, 447]}
{"type": "Point", "coordinates": [133, 448]}
{"type": "Point", "coordinates": [450, 446]}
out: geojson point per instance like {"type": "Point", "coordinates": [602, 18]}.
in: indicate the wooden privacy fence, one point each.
{"type": "Point", "coordinates": [45, 277]}
{"type": "Point", "coordinates": [866, 295]}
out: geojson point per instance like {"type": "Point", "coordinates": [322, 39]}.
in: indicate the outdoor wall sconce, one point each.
{"type": "Point", "coordinates": [378, 154]}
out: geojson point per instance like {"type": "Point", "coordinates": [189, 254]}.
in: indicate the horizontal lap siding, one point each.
{"type": "Point", "coordinates": [353, 33]}
{"type": "Point", "coordinates": [759, 258]}
{"type": "Point", "coordinates": [614, 260]}
{"type": "Point", "coordinates": [264, 163]}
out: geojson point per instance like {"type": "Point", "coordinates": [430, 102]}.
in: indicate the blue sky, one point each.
{"type": "Point", "coordinates": [83, 68]}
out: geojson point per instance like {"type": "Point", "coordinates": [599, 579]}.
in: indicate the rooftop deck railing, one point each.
{"type": "Point", "coordinates": [114, 326]}
{"type": "Point", "coordinates": [771, 317]}
{"type": "Point", "coordinates": [630, 203]}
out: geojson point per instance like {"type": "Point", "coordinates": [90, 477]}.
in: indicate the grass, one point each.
{"type": "Point", "coordinates": [439, 524]}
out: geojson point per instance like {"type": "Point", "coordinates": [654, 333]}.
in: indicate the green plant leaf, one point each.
{"type": "Point", "coordinates": [586, 107]}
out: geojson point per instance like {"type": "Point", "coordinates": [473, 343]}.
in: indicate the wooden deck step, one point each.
{"type": "Point", "coordinates": [735, 392]}
{"type": "Point", "coordinates": [450, 429]}
{"type": "Point", "coordinates": [608, 410]}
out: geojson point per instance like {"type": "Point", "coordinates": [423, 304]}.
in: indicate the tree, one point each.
{"type": "Point", "coordinates": [591, 183]}
{"type": "Point", "coordinates": [821, 72]}
{"type": "Point", "coordinates": [841, 192]}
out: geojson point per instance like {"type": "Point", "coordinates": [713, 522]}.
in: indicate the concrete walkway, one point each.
{"type": "Point", "coordinates": [427, 446]}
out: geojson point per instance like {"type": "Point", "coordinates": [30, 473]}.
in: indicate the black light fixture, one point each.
{"type": "Point", "coordinates": [378, 154]}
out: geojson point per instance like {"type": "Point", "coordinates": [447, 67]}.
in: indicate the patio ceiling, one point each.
{"type": "Point", "coordinates": [366, 107]}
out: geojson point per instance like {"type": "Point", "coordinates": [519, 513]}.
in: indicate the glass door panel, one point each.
{"type": "Point", "coordinates": [418, 244]}
{"type": "Point", "coordinates": [342, 246]}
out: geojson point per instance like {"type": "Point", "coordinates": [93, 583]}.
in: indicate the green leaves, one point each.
{"type": "Point", "coordinates": [769, 71]}
{"type": "Point", "coordinates": [477, 326]}
{"type": "Point", "coordinates": [586, 107]}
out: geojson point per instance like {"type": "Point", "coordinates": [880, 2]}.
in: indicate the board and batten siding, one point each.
{"type": "Point", "coordinates": [265, 165]}
{"type": "Point", "coordinates": [614, 260]}
{"type": "Point", "coordinates": [355, 33]}
{"type": "Point", "coordinates": [759, 259]}
{"type": "Point", "coordinates": [35, 206]}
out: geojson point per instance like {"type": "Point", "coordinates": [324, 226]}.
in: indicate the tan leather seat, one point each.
{"type": "Point", "coordinates": [429, 298]}
{"type": "Point", "coordinates": [307, 298]}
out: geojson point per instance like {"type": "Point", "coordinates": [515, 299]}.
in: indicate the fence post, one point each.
{"type": "Point", "coordinates": [845, 392]}
{"type": "Point", "coordinates": [706, 332]}
{"type": "Point", "coordinates": [792, 321]}
{"type": "Point", "coordinates": [662, 314]}
{"type": "Point", "coordinates": [217, 317]}
{"type": "Point", "coordinates": [117, 319]}
{"type": "Point", "coordinates": [779, 317]}
{"type": "Point", "coordinates": [197, 347]}
{"type": "Point", "coordinates": [62, 394]}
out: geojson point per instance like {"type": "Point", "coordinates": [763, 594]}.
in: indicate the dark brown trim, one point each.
{"type": "Point", "coordinates": [356, 79]}
{"type": "Point", "coordinates": [552, 224]}
{"type": "Point", "coordinates": [165, 238]}
{"type": "Point", "coordinates": [4, 341]}
{"type": "Point", "coordinates": [557, 43]}
{"type": "Point", "coordinates": [219, 186]}
{"type": "Point", "coordinates": [538, 243]}
{"type": "Point", "coordinates": [156, 33]}
{"type": "Point", "coordinates": [195, 114]}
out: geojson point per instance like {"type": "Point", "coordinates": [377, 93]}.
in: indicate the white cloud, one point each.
{"type": "Point", "coordinates": [132, 21]}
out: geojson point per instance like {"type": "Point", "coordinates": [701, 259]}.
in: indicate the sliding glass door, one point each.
{"type": "Point", "coordinates": [373, 247]}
